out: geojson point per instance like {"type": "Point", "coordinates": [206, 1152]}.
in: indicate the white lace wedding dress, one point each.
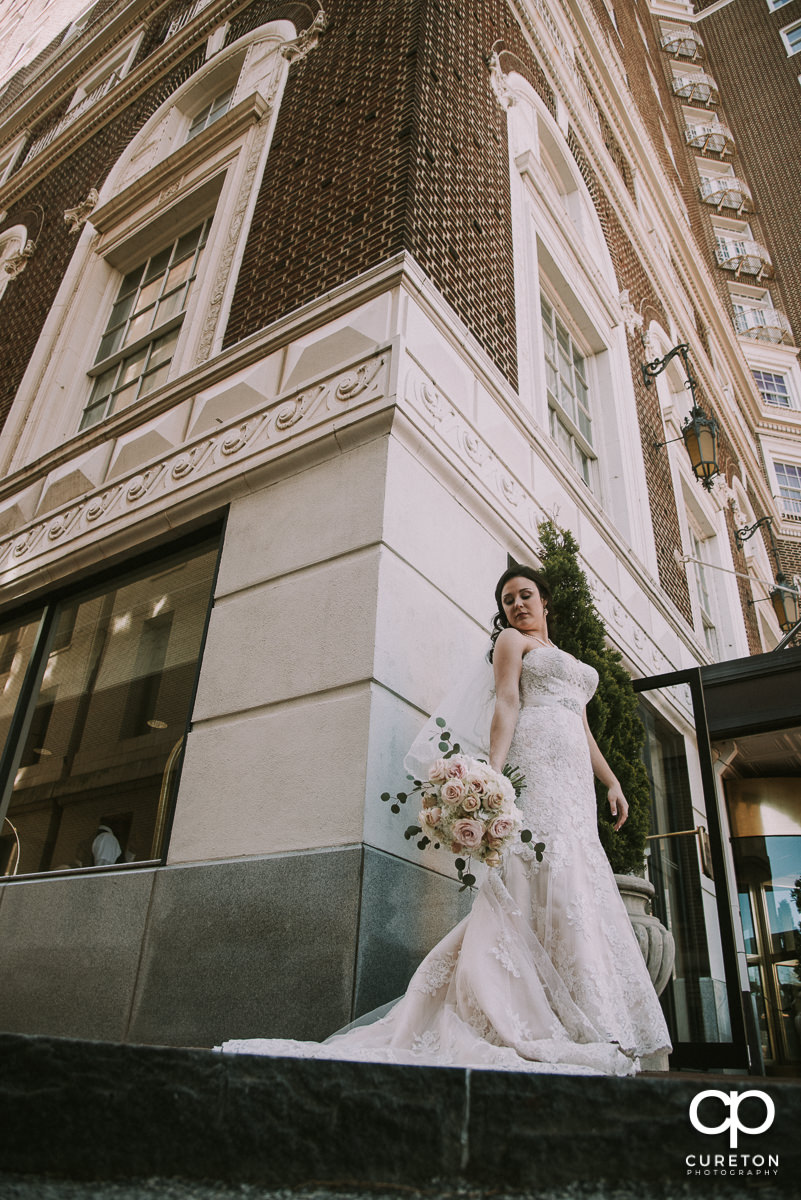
{"type": "Point", "coordinates": [545, 973]}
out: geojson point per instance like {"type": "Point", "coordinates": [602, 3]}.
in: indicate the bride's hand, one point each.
{"type": "Point", "coordinates": [618, 804]}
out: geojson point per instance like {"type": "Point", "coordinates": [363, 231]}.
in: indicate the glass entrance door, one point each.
{"type": "Point", "coordinates": [693, 878]}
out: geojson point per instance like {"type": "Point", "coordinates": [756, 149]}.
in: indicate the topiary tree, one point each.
{"type": "Point", "coordinates": [613, 711]}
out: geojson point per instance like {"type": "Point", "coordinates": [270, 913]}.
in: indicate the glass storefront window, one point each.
{"type": "Point", "coordinates": [97, 769]}
{"type": "Point", "coordinates": [16, 644]}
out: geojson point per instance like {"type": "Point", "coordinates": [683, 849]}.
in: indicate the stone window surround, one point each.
{"type": "Point", "coordinates": [118, 61]}
{"type": "Point", "coordinates": [550, 207]}
{"type": "Point", "coordinates": [218, 171]}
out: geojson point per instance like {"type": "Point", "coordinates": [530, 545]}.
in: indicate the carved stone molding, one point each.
{"type": "Point", "coordinates": [77, 217]}
{"type": "Point", "coordinates": [16, 263]}
{"type": "Point", "coordinates": [503, 93]}
{"type": "Point", "coordinates": [467, 449]}
{"type": "Point", "coordinates": [306, 40]}
{"type": "Point", "coordinates": [632, 320]}
{"type": "Point", "coordinates": [260, 435]}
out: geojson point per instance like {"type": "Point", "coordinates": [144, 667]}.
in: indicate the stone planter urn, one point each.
{"type": "Point", "coordinates": [656, 942]}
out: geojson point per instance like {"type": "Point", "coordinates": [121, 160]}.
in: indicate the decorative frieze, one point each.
{"type": "Point", "coordinates": [306, 40]}
{"type": "Point", "coordinates": [239, 443]}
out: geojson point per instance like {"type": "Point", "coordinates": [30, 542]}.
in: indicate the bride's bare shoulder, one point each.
{"type": "Point", "coordinates": [511, 641]}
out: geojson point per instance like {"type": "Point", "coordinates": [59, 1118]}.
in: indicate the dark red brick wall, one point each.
{"type": "Point", "coordinates": [389, 138]}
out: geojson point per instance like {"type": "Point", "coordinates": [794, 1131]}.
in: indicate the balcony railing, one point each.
{"type": "Point", "coordinates": [727, 192]}
{"type": "Point", "coordinates": [763, 325]}
{"type": "Point", "coordinates": [711, 139]}
{"type": "Point", "coordinates": [744, 258]}
{"type": "Point", "coordinates": [682, 43]}
{"type": "Point", "coordinates": [184, 17]}
{"type": "Point", "coordinates": [696, 89]}
{"type": "Point", "coordinates": [71, 116]}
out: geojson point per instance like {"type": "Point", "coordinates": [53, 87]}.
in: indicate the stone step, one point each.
{"type": "Point", "coordinates": [125, 1114]}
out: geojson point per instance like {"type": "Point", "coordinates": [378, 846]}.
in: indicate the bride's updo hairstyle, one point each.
{"type": "Point", "coordinates": [499, 621]}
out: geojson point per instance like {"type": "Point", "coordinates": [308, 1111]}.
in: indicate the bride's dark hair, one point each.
{"type": "Point", "coordinates": [499, 621]}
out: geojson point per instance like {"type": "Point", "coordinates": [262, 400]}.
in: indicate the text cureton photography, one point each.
{"type": "Point", "coordinates": [760, 1111]}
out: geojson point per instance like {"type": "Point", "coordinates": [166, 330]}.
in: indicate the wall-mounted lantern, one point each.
{"type": "Point", "coordinates": [784, 597]}
{"type": "Point", "coordinates": [699, 432]}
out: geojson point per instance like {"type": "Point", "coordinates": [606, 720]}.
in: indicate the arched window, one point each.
{"type": "Point", "coordinates": [146, 294]}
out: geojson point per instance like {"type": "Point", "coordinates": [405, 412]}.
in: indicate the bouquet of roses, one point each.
{"type": "Point", "coordinates": [468, 807]}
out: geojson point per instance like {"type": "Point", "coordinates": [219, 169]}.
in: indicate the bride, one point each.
{"type": "Point", "coordinates": [545, 973]}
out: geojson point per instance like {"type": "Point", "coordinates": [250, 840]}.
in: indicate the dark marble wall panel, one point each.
{"type": "Point", "coordinates": [70, 949]}
{"type": "Point", "coordinates": [405, 911]}
{"type": "Point", "coordinates": [256, 948]}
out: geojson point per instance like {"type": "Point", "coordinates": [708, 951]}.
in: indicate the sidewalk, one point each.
{"type": "Point", "coordinates": [142, 1121]}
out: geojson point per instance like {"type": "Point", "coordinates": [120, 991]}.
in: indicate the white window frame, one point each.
{"type": "Point", "coordinates": [705, 590]}
{"type": "Point", "coordinates": [218, 171]}
{"type": "Point", "coordinates": [792, 47]}
{"type": "Point", "coordinates": [573, 440]}
{"type": "Point", "coordinates": [118, 62]}
{"type": "Point", "coordinates": [784, 377]}
{"type": "Point", "coordinates": [792, 513]}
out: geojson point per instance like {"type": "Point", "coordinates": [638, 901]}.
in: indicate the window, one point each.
{"type": "Point", "coordinates": [139, 340]}
{"type": "Point", "coordinates": [774, 4]}
{"type": "Point", "coordinates": [215, 109]}
{"type": "Point", "coordinates": [788, 476]}
{"type": "Point", "coordinates": [568, 394]}
{"type": "Point", "coordinates": [792, 38]}
{"type": "Point", "coordinates": [704, 594]}
{"type": "Point", "coordinates": [118, 668]}
{"type": "Point", "coordinates": [773, 388]}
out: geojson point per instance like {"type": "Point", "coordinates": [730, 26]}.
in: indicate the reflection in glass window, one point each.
{"type": "Point", "coordinates": [788, 476]}
{"type": "Point", "coordinates": [98, 766]}
{"type": "Point", "coordinates": [139, 340]}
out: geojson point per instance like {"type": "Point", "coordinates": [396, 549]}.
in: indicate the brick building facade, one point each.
{"type": "Point", "coordinates": [355, 296]}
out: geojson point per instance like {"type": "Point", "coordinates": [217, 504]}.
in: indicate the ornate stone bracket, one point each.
{"type": "Point", "coordinates": [306, 40]}
{"type": "Point", "coordinates": [77, 217]}
{"type": "Point", "coordinates": [498, 83]}
{"type": "Point", "coordinates": [631, 318]}
{"type": "Point", "coordinates": [15, 264]}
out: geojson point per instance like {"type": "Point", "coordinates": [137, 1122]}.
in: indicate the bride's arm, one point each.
{"type": "Point", "coordinates": [507, 662]}
{"type": "Point", "coordinates": [617, 801]}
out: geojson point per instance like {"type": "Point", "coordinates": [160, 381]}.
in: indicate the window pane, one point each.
{"type": "Point", "coordinates": [789, 478]}
{"type": "Point", "coordinates": [109, 719]}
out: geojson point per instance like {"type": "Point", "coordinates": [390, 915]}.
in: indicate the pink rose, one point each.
{"type": "Point", "coordinates": [493, 798]}
{"type": "Point", "coordinates": [470, 802]}
{"type": "Point", "coordinates": [500, 828]}
{"type": "Point", "coordinates": [468, 833]}
{"type": "Point", "coordinates": [438, 771]}
{"type": "Point", "coordinates": [452, 791]}
{"type": "Point", "coordinates": [476, 783]}
{"type": "Point", "coordinates": [430, 816]}
{"type": "Point", "coordinates": [456, 769]}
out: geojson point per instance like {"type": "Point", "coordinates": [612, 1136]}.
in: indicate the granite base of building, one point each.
{"type": "Point", "coordinates": [293, 945]}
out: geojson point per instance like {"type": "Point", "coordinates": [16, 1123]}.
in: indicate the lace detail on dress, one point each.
{"type": "Point", "coordinates": [433, 973]}
{"type": "Point", "coordinates": [505, 952]}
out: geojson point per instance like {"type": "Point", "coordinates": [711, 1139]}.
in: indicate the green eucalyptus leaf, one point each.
{"type": "Point", "coordinates": [395, 808]}
{"type": "Point", "coordinates": [441, 722]}
{"type": "Point", "coordinates": [444, 746]}
{"type": "Point", "coordinates": [385, 795]}
{"type": "Point", "coordinates": [525, 835]}
{"type": "Point", "coordinates": [469, 880]}
{"type": "Point", "coordinates": [460, 864]}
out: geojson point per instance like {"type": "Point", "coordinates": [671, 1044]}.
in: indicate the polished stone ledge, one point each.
{"type": "Point", "coordinates": [99, 1110]}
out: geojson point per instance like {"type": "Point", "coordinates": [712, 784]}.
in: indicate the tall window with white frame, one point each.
{"type": "Point", "coordinates": [788, 477]}
{"type": "Point", "coordinates": [211, 112]}
{"type": "Point", "coordinates": [704, 594]}
{"type": "Point", "coordinates": [566, 376]}
{"type": "Point", "coordinates": [139, 340]}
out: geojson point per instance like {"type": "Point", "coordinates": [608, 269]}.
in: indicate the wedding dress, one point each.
{"type": "Point", "coordinates": [545, 973]}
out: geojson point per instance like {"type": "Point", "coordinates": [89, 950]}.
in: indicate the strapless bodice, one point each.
{"type": "Point", "coordinates": [552, 677]}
